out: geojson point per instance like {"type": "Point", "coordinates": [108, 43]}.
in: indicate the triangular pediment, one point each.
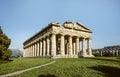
{"type": "Point", "coordinates": [76, 26]}
{"type": "Point", "coordinates": [81, 27]}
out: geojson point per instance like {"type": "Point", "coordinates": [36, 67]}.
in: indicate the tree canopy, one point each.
{"type": "Point", "coordinates": [4, 45]}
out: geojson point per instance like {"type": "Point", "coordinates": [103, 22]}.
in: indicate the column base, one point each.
{"type": "Point", "coordinates": [65, 56]}
{"type": "Point", "coordinates": [87, 56]}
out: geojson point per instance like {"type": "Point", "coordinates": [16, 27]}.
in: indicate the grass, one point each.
{"type": "Point", "coordinates": [19, 64]}
{"type": "Point", "coordinates": [81, 67]}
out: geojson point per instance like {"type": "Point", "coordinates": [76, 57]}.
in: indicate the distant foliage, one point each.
{"type": "Point", "coordinates": [4, 45]}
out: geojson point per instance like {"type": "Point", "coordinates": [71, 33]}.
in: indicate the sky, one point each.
{"type": "Point", "coordinates": [21, 19]}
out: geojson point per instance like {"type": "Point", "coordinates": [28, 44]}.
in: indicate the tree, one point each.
{"type": "Point", "coordinates": [4, 45]}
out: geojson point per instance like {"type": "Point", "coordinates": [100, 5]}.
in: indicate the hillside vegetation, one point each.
{"type": "Point", "coordinates": [80, 67]}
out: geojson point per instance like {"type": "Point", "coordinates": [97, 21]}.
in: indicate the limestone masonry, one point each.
{"type": "Point", "coordinates": [60, 41]}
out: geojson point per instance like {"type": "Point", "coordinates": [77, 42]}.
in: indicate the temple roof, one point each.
{"type": "Point", "coordinates": [67, 24]}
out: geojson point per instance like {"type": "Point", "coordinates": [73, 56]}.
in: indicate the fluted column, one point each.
{"type": "Point", "coordinates": [77, 46]}
{"type": "Point", "coordinates": [62, 45]}
{"type": "Point", "coordinates": [35, 49]}
{"type": "Point", "coordinates": [53, 48]}
{"type": "Point", "coordinates": [74, 48]}
{"type": "Point", "coordinates": [89, 47]}
{"type": "Point", "coordinates": [38, 48]}
{"type": "Point", "coordinates": [26, 51]}
{"type": "Point", "coordinates": [83, 47]}
{"type": "Point", "coordinates": [31, 50]}
{"type": "Point", "coordinates": [44, 47]}
{"type": "Point", "coordinates": [24, 54]}
{"type": "Point", "coordinates": [116, 52]}
{"type": "Point", "coordinates": [70, 45]}
{"type": "Point", "coordinates": [48, 46]}
{"type": "Point", "coordinates": [41, 48]}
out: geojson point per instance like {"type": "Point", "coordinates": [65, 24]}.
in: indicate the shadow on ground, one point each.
{"type": "Point", "coordinates": [48, 75]}
{"type": "Point", "coordinates": [104, 59]}
{"type": "Point", "coordinates": [107, 70]}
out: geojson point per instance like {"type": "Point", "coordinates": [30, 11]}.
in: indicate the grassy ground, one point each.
{"type": "Point", "coordinates": [81, 67]}
{"type": "Point", "coordinates": [19, 64]}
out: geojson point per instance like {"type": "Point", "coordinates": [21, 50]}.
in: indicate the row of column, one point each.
{"type": "Point", "coordinates": [38, 48]}
{"type": "Point", "coordinates": [47, 47]}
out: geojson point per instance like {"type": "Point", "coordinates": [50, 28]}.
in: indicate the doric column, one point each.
{"type": "Point", "coordinates": [44, 47]}
{"type": "Point", "coordinates": [24, 53]}
{"type": "Point", "coordinates": [74, 48]}
{"type": "Point", "coordinates": [62, 45]}
{"type": "Point", "coordinates": [89, 47]}
{"type": "Point", "coordinates": [38, 48]}
{"type": "Point", "coordinates": [83, 47]}
{"type": "Point", "coordinates": [48, 46]}
{"type": "Point", "coordinates": [41, 48]}
{"type": "Point", "coordinates": [116, 52]}
{"type": "Point", "coordinates": [53, 46]}
{"type": "Point", "coordinates": [70, 45]}
{"type": "Point", "coordinates": [27, 51]}
{"type": "Point", "coordinates": [35, 50]}
{"type": "Point", "coordinates": [77, 46]}
{"type": "Point", "coordinates": [31, 50]}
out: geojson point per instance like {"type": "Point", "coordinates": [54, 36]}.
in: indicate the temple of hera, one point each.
{"type": "Point", "coordinates": [70, 40]}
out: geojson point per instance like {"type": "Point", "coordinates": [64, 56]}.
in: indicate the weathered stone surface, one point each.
{"type": "Point", "coordinates": [60, 41]}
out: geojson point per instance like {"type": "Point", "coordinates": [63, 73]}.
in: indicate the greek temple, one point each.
{"type": "Point", "coordinates": [69, 40]}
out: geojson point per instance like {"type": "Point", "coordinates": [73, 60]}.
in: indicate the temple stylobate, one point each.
{"type": "Point", "coordinates": [60, 41]}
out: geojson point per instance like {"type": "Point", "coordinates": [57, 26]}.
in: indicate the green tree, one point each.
{"type": "Point", "coordinates": [4, 45]}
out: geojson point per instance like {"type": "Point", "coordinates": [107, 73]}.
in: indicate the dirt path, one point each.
{"type": "Point", "coordinates": [21, 71]}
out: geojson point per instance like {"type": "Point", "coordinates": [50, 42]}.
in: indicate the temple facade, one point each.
{"type": "Point", "coordinates": [70, 40]}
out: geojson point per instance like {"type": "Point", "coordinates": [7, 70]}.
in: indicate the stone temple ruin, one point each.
{"type": "Point", "coordinates": [115, 50]}
{"type": "Point", "coordinates": [60, 41]}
